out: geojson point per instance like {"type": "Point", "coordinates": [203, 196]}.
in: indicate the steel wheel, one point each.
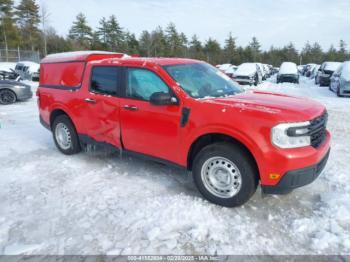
{"type": "Point", "coordinates": [221, 177]}
{"type": "Point", "coordinates": [7, 97]}
{"type": "Point", "coordinates": [63, 136]}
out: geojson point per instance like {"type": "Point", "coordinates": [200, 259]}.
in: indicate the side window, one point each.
{"type": "Point", "coordinates": [143, 83]}
{"type": "Point", "coordinates": [104, 79]}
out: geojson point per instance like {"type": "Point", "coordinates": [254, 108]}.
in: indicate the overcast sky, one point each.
{"type": "Point", "coordinates": [273, 22]}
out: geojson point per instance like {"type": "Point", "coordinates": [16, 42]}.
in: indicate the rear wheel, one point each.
{"type": "Point", "coordinates": [338, 92]}
{"type": "Point", "coordinates": [65, 135]}
{"type": "Point", "coordinates": [7, 97]}
{"type": "Point", "coordinates": [225, 175]}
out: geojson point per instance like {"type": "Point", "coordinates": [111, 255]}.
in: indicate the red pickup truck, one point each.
{"type": "Point", "coordinates": [187, 113]}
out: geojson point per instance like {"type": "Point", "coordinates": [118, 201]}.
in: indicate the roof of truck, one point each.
{"type": "Point", "coordinates": [86, 56]}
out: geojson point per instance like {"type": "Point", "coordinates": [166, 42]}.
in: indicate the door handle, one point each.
{"type": "Point", "coordinates": [90, 100]}
{"type": "Point", "coordinates": [131, 108]}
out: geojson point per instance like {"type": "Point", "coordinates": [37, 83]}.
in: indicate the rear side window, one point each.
{"type": "Point", "coordinates": [105, 80]}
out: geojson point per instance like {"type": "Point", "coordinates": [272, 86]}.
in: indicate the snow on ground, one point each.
{"type": "Point", "coordinates": [100, 203]}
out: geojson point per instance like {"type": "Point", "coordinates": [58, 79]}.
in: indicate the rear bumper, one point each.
{"type": "Point", "coordinates": [23, 93]}
{"type": "Point", "coordinates": [297, 178]}
{"type": "Point", "coordinates": [288, 78]}
{"type": "Point", "coordinates": [325, 80]}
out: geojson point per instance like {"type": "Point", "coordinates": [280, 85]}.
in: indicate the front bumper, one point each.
{"type": "Point", "coordinates": [244, 81]}
{"type": "Point", "coordinates": [297, 178]}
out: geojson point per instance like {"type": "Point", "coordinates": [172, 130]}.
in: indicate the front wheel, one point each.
{"type": "Point", "coordinates": [7, 97]}
{"type": "Point", "coordinates": [225, 175]}
{"type": "Point", "coordinates": [65, 135]}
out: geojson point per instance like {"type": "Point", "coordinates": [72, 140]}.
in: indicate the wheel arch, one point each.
{"type": "Point", "coordinates": [57, 112]}
{"type": "Point", "coordinates": [206, 139]}
{"type": "Point", "coordinates": [9, 89]}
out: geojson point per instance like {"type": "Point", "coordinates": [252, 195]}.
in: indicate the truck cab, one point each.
{"type": "Point", "coordinates": [185, 113]}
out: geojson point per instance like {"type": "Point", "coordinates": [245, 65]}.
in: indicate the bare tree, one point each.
{"type": "Point", "coordinates": [45, 14]}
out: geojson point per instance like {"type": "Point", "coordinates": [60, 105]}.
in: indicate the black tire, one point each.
{"type": "Point", "coordinates": [338, 92]}
{"type": "Point", "coordinates": [248, 171]}
{"type": "Point", "coordinates": [7, 97]}
{"type": "Point", "coordinates": [74, 146]}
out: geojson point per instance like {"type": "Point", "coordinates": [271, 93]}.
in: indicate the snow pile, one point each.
{"type": "Point", "coordinates": [104, 203]}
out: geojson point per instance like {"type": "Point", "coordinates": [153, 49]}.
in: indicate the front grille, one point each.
{"type": "Point", "coordinates": [242, 77]}
{"type": "Point", "coordinates": [317, 130]}
{"type": "Point", "coordinates": [328, 72]}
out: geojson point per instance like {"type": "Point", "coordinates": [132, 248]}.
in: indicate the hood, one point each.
{"type": "Point", "coordinates": [285, 108]}
{"type": "Point", "coordinates": [245, 70]}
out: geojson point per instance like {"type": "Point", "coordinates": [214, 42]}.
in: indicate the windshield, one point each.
{"type": "Point", "coordinates": [201, 80]}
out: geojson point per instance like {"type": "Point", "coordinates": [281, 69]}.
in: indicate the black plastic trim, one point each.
{"type": "Point", "coordinates": [185, 115]}
{"type": "Point", "coordinates": [66, 88]}
{"type": "Point", "coordinates": [85, 139]}
{"type": "Point", "coordinates": [44, 124]}
{"type": "Point", "coordinates": [297, 178]}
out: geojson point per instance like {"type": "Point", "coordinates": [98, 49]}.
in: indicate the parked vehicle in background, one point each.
{"type": "Point", "coordinates": [248, 74]}
{"type": "Point", "coordinates": [325, 72]}
{"type": "Point", "coordinates": [309, 69]}
{"type": "Point", "coordinates": [223, 67]}
{"type": "Point", "coordinates": [301, 69]}
{"type": "Point", "coordinates": [275, 70]}
{"type": "Point", "coordinates": [7, 66]}
{"type": "Point", "coordinates": [315, 71]}
{"type": "Point", "coordinates": [231, 71]}
{"type": "Point", "coordinates": [267, 70]}
{"type": "Point", "coordinates": [28, 70]}
{"type": "Point", "coordinates": [229, 139]}
{"type": "Point", "coordinates": [12, 91]}
{"type": "Point", "coordinates": [288, 73]}
{"type": "Point", "coordinates": [340, 80]}
{"type": "Point", "coordinates": [7, 71]}
{"type": "Point", "coordinates": [262, 70]}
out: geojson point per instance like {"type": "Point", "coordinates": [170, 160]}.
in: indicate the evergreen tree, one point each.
{"type": "Point", "coordinates": [28, 19]}
{"type": "Point", "coordinates": [332, 54]}
{"type": "Point", "coordinates": [343, 54]}
{"type": "Point", "coordinates": [213, 51]}
{"type": "Point", "coordinates": [254, 48]}
{"type": "Point", "coordinates": [317, 56]}
{"type": "Point", "coordinates": [132, 45]}
{"type": "Point", "coordinates": [159, 45]}
{"type": "Point", "coordinates": [145, 43]}
{"type": "Point", "coordinates": [81, 32]}
{"type": "Point", "coordinates": [230, 49]}
{"type": "Point", "coordinates": [9, 33]}
{"type": "Point", "coordinates": [196, 49]}
{"type": "Point", "coordinates": [173, 40]}
{"type": "Point", "coordinates": [102, 31]}
{"type": "Point", "coordinates": [115, 35]}
{"type": "Point", "coordinates": [290, 53]}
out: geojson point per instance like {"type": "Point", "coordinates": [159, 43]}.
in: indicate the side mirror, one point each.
{"type": "Point", "coordinates": [160, 98]}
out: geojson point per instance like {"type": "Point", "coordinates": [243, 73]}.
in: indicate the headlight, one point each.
{"type": "Point", "coordinates": [291, 135]}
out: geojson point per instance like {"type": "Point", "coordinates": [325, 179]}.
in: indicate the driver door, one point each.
{"type": "Point", "coordinates": [145, 128]}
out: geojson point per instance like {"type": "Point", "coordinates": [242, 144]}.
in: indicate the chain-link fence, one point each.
{"type": "Point", "coordinates": [15, 55]}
